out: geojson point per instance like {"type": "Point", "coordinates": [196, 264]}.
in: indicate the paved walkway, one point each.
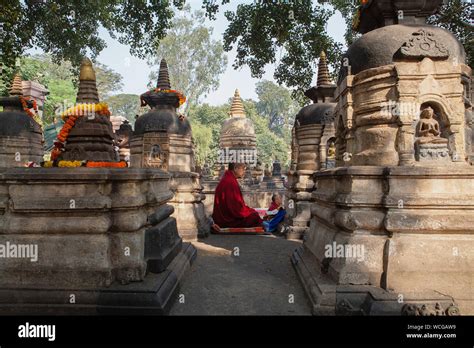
{"type": "Point", "coordinates": [260, 280]}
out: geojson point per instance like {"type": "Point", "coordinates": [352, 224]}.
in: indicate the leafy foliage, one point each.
{"type": "Point", "coordinates": [69, 29]}
{"type": "Point", "coordinates": [456, 16]}
{"type": "Point", "coordinates": [275, 104]}
{"type": "Point", "coordinates": [60, 79]}
{"type": "Point", "coordinates": [293, 31]}
{"type": "Point", "coordinates": [126, 105]}
{"type": "Point", "coordinates": [195, 61]}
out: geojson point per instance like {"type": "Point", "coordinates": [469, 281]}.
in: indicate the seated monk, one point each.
{"type": "Point", "coordinates": [230, 209]}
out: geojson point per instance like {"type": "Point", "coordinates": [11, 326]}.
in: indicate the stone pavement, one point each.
{"type": "Point", "coordinates": [258, 281]}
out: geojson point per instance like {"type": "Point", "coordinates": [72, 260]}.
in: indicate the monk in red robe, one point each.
{"type": "Point", "coordinates": [230, 209]}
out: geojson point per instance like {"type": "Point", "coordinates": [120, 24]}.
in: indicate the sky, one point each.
{"type": "Point", "coordinates": [136, 71]}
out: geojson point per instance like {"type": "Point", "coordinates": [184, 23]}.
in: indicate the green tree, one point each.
{"type": "Point", "coordinates": [211, 118]}
{"type": "Point", "coordinates": [275, 104]}
{"type": "Point", "coordinates": [203, 142]}
{"type": "Point", "coordinates": [456, 16]}
{"type": "Point", "coordinates": [126, 105]}
{"type": "Point", "coordinates": [70, 29]}
{"type": "Point", "coordinates": [270, 146]}
{"type": "Point", "coordinates": [290, 34]}
{"type": "Point", "coordinates": [195, 61]}
{"type": "Point", "coordinates": [108, 80]}
{"type": "Point", "coordinates": [60, 79]}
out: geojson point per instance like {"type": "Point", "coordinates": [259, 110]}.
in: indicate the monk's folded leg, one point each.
{"type": "Point", "coordinates": [253, 220]}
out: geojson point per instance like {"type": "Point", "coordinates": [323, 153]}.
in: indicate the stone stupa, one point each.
{"type": "Point", "coordinates": [312, 135]}
{"type": "Point", "coordinates": [237, 132]}
{"type": "Point", "coordinates": [392, 226]}
{"type": "Point", "coordinates": [20, 134]}
{"type": "Point", "coordinates": [98, 240]}
{"type": "Point", "coordinates": [163, 139]}
{"type": "Point", "coordinates": [92, 137]}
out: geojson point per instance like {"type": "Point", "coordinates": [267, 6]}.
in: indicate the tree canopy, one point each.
{"type": "Point", "coordinates": [70, 29]}
{"type": "Point", "coordinates": [290, 33]}
{"type": "Point", "coordinates": [195, 61]}
{"type": "Point", "coordinates": [126, 105]}
{"type": "Point", "coordinates": [276, 105]}
{"type": "Point", "coordinates": [61, 81]}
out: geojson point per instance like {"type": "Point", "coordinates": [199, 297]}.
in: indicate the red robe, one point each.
{"type": "Point", "coordinates": [230, 209]}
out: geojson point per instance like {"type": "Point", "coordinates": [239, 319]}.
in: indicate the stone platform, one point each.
{"type": "Point", "coordinates": [102, 235]}
{"type": "Point", "coordinates": [153, 296]}
{"type": "Point", "coordinates": [416, 225]}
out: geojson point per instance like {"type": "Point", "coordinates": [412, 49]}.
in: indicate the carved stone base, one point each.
{"type": "Point", "coordinates": [432, 152]}
{"type": "Point", "coordinates": [295, 232]}
{"type": "Point", "coordinates": [408, 230]}
{"type": "Point", "coordinates": [329, 298]}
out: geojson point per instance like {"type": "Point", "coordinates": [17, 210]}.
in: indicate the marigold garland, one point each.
{"type": "Point", "coordinates": [181, 96]}
{"type": "Point", "coordinates": [34, 116]}
{"type": "Point", "coordinates": [70, 117]}
{"type": "Point", "coordinates": [86, 109]}
{"type": "Point", "coordinates": [121, 164]}
{"type": "Point", "coordinates": [70, 164]}
{"type": "Point", "coordinates": [88, 164]}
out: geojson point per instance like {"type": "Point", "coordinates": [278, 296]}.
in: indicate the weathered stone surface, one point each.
{"type": "Point", "coordinates": [399, 215]}
{"type": "Point", "coordinates": [152, 296]}
{"type": "Point", "coordinates": [163, 139]}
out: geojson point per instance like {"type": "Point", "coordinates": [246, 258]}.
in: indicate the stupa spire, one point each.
{"type": "Point", "coordinates": [163, 76]}
{"type": "Point", "coordinates": [16, 87]}
{"type": "Point", "coordinates": [87, 92]}
{"type": "Point", "coordinates": [323, 71]}
{"type": "Point", "coordinates": [237, 108]}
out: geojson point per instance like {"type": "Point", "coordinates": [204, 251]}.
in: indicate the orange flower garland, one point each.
{"type": "Point", "coordinates": [88, 164]}
{"type": "Point", "coordinates": [181, 96]}
{"type": "Point", "coordinates": [121, 164]}
{"type": "Point", "coordinates": [34, 116]}
{"type": "Point", "coordinates": [72, 114]}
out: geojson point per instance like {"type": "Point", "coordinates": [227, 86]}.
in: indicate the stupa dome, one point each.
{"type": "Point", "coordinates": [383, 46]}
{"type": "Point", "coordinates": [237, 131]}
{"type": "Point", "coordinates": [14, 120]}
{"type": "Point", "coordinates": [315, 114]}
{"type": "Point", "coordinates": [162, 116]}
{"type": "Point", "coordinates": [321, 111]}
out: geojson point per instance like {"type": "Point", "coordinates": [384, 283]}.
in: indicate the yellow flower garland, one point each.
{"type": "Point", "coordinates": [84, 109]}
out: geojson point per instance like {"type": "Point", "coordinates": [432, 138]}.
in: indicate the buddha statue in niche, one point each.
{"type": "Point", "coordinates": [331, 151]}
{"type": "Point", "coordinates": [427, 129]}
{"type": "Point", "coordinates": [429, 145]}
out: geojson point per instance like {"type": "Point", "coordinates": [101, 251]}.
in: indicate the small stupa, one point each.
{"type": "Point", "coordinates": [313, 133]}
{"type": "Point", "coordinates": [237, 131]}
{"type": "Point", "coordinates": [20, 134]}
{"type": "Point", "coordinates": [163, 139]}
{"type": "Point", "coordinates": [91, 138]}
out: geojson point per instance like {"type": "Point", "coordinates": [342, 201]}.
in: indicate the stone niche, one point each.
{"type": "Point", "coordinates": [313, 149]}
{"type": "Point", "coordinates": [104, 235]}
{"type": "Point", "coordinates": [163, 139]}
{"type": "Point", "coordinates": [395, 217]}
